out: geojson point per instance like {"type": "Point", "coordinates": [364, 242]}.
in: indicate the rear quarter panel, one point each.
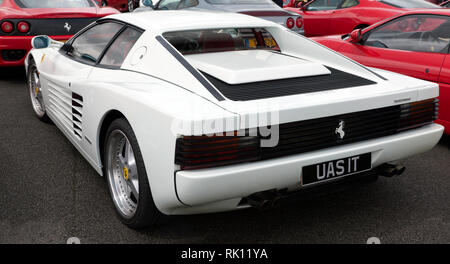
{"type": "Point", "coordinates": [152, 107]}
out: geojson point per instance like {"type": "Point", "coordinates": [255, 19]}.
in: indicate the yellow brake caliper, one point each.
{"type": "Point", "coordinates": [125, 173]}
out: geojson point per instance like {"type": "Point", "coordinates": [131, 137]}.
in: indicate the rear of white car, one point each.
{"type": "Point", "coordinates": [230, 111]}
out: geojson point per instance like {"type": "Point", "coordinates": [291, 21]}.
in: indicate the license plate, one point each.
{"type": "Point", "coordinates": [336, 168]}
{"type": "Point", "coordinates": [252, 43]}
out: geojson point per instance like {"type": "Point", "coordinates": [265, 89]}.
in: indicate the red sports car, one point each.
{"type": "Point", "coordinates": [415, 43]}
{"type": "Point", "coordinates": [328, 17]}
{"type": "Point", "coordinates": [121, 5]}
{"type": "Point", "coordinates": [20, 20]}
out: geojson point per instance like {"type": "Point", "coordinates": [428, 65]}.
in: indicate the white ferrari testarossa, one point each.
{"type": "Point", "coordinates": [191, 112]}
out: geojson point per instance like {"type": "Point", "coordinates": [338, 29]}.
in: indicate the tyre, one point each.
{"type": "Point", "coordinates": [34, 87]}
{"type": "Point", "coordinates": [131, 4]}
{"type": "Point", "coordinates": [127, 178]}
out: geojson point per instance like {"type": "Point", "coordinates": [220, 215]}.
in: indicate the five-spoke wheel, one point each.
{"type": "Point", "coordinates": [122, 173]}
{"type": "Point", "coordinates": [127, 177]}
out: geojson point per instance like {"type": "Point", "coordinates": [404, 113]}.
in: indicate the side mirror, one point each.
{"type": "Point", "coordinates": [41, 42]}
{"type": "Point", "coordinates": [356, 36]}
{"type": "Point", "coordinates": [301, 5]}
{"type": "Point", "coordinates": [148, 3]}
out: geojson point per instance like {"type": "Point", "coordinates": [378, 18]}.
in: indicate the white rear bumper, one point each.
{"type": "Point", "coordinates": [208, 186]}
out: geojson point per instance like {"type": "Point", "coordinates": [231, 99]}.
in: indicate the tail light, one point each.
{"type": "Point", "coordinates": [7, 27]}
{"type": "Point", "coordinates": [196, 152]}
{"type": "Point", "coordinates": [418, 113]}
{"type": "Point", "coordinates": [299, 22]}
{"type": "Point", "coordinates": [23, 27]}
{"type": "Point", "coordinates": [290, 23]}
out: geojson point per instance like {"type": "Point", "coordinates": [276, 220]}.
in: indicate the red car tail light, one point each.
{"type": "Point", "coordinates": [290, 23]}
{"type": "Point", "coordinates": [7, 27]}
{"type": "Point", "coordinates": [299, 22]}
{"type": "Point", "coordinates": [197, 152]}
{"type": "Point", "coordinates": [23, 27]}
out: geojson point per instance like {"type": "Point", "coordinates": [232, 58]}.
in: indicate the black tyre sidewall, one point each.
{"type": "Point", "coordinates": [146, 213]}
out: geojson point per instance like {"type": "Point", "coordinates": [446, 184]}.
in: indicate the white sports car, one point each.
{"type": "Point", "coordinates": [192, 112]}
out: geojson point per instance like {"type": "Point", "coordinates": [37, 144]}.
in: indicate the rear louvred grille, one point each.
{"type": "Point", "coordinates": [310, 135]}
{"type": "Point", "coordinates": [194, 152]}
{"type": "Point", "coordinates": [77, 114]}
{"type": "Point", "coordinates": [286, 87]}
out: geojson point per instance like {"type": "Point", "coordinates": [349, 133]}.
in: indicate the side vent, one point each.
{"type": "Point", "coordinates": [77, 115]}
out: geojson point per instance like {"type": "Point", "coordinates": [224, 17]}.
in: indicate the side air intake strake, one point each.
{"type": "Point", "coordinates": [196, 152]}
{"type": "Point", "coordinates": [284, 87]}
{"type": "Point", "coordinates": [77, 114]}
{"type": "Point", "coordinates": [68, 107]}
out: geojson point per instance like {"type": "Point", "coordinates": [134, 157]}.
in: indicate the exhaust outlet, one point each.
{"type": "Point", "coordinates": [263, 200]}
{"type": "Point", "coordinates": [400, 169]}
{"type": "Point", "coordinates": [390, 170]}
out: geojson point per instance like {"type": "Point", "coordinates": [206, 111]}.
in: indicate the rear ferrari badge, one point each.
{"type": "Point", "coordinates": [67, 26]}
{"type": "Point", "coordinates": [340, 130]}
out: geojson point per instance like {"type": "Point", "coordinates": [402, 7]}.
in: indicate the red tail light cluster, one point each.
{"type": "Point", "coordinates": [299, 22]}
{"type": "Point", "coordinates": [290, 23]}
{"type": "Point", "coordinates": [196, 152]}
{"type": "Point", "coordinates": [7, 27]}
{"type": "Point", "coordinates": [23, 27]}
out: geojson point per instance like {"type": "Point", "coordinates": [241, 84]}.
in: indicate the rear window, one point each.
{"type": "Point", "coordinates": [53, 3]}
{"type": "Point", "coordinates": [409, 3]}
{"type": "Point", "coordinates": [217, 40]}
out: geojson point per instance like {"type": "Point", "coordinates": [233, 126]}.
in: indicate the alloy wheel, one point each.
{"type": "Point", "coordinates": [34, 84]}
{"type": "Point", "coordinates": [122, 174]}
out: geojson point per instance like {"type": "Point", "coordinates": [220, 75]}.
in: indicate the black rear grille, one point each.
{"type": "Point", "coordinates": [51, 26]}
{"type": "Point", "coordinates": [284, 87]}
{"type": "Point", "coordinates": [303, 136]}
{"type": "Point", "coordinates": [13, 55]}
{"type": "Point", "coordinates": [309, 135]}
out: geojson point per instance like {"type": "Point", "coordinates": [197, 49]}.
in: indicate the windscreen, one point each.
{"type": "Point", "coordinates": [409, 3]}
{"type": "Point", "coordinates": [217, 40]}
{"type": "Point", "coordinates": [54, 3]}
{"type": "Point", "coordinates": [238, 2]}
